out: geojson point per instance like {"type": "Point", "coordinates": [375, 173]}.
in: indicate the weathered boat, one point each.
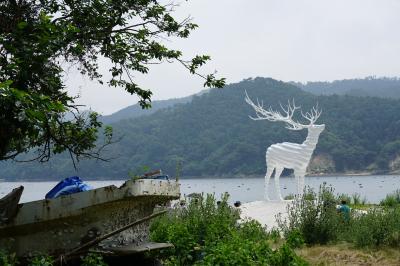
{"type": "Point", "coordinates": [60, 225]}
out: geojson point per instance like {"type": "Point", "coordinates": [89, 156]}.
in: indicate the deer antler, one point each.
{"type": "Point", "coordinates": [270, 115]}
{"type": "Point", "coordinates": [312, 115]}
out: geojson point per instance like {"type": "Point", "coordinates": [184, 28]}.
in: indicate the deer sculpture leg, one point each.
{"type": "Point", "coordinates": [299, 175]}
{"type": "Point", "coordinates": [301, 183]}
{"type": "Point", "coordinates": [278, 172]}
{"type": "Point", "coordinates": [268, 175]}
{"type": "Point", "coordinates": [296, 177]}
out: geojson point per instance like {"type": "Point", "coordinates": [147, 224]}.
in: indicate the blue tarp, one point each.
{"type": "Point", "coordinates": [67, 186]}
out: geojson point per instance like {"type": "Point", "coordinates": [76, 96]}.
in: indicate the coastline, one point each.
{"type": "Point", "coordinates": [338, 174]}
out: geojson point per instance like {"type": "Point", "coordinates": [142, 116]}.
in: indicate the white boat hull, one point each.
{"type": "Point", "coordinates": [58, 225]}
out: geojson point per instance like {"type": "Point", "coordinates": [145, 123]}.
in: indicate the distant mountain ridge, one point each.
{"type": "Point", "coordinates": [370, 86]}
{"type": "Point", "coordinates": [212, 135]}
{"type": "Point", "coordinates": [367, 87]}
{"type": "Point", "coordinates": [136, 111]}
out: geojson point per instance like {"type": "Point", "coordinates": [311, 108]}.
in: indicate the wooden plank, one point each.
{"type": "Point", "coordinates": [9, 205]}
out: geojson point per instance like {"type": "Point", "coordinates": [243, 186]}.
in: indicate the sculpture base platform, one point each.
{"type": "Point", "coordinates": [264, 211]}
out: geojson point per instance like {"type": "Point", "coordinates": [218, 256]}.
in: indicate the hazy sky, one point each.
{"type": "Point", "coordinates": [299, 40]}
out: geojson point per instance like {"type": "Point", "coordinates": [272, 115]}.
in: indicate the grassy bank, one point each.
{"type": "Point", "coordinates": [345, 254]}
{"type": "Point", "coordinates": [207, 232]}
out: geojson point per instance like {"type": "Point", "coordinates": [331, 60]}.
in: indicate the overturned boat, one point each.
{"type": "Point", "coordinates": [111, 218]}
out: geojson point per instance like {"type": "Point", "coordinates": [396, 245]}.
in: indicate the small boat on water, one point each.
{"type": "Point", "coordinates": [111, 218]}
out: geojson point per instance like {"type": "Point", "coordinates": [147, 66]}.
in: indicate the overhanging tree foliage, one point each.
{"type": "Point", "coordinates": [37, 36]}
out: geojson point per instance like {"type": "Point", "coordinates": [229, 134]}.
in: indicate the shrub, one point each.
{"type": "Point", "coordinates": [379, 227]}
{"type": "Point", "coordinates": [93, 259]}
{"type": "Point", "coordinates": [235, 250]}
{"type": "Point", "coordinates": [289, 197]}
{"type": "Point", "coordinates": [317, 220]}
{"type": "Point", "coordinates": [241, 251]}
{"type": "Point", "coordinates": [295, 239]}
{"type": "Point", "coordinates": [7, 259]}
{"type": "Point", "coordinates": [202, 222]}
{"type": "Point", "coordinates": [251, 229]}
{"type": "Point", "coordinates": [274, 234]}
{"type": "Point", "coordinates": [41, 260]}
{"type": "Point", "coordinates": [249, 245]}
{"type": "Point", "coordinates": [286, 256]}
{"type": "Point", "coordinates": [206, 233]}
{"type": "Point", "coordinates": [309, 194]}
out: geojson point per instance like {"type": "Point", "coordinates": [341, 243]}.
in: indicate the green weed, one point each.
{"type": "Point", "coordinates": [41, 260]}
{"type": "Point", "coordinates": [7, 259]}
{"type": "Point", "coordinates": [93, 259]}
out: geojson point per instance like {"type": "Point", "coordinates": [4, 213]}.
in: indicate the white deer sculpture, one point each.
{"type": "Point", "coordinates": [289, 155]}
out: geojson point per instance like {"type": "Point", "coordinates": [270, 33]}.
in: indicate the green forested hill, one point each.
{"type": "Point", "coordinates": [213, 136]}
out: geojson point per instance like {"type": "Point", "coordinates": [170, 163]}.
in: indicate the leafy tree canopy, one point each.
{"type": "Point", "coordinates": [38, 36]}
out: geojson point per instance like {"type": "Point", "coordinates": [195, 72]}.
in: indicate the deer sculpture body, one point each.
{"type": "Point", "coordinates": [289, 155]}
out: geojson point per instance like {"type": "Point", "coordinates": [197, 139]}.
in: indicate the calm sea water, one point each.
{"type": "Point", "coordinates": [373, 188]}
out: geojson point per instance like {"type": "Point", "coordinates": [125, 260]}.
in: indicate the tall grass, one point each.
{"type": "Point", "coordinates": [392, 199]}
{"type": "Point", "coordinates": [353, 199]}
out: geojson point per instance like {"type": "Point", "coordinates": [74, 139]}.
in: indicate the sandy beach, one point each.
{"type": "Point", "coordinates": [264, 212]}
